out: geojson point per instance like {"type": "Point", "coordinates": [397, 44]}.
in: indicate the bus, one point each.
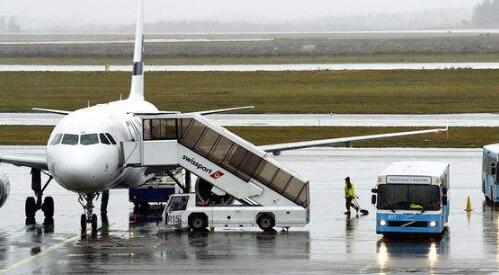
{"type": "Point", "coordinates": [489, 173]}
{"type": "Point", "coordinates": [412, 197]}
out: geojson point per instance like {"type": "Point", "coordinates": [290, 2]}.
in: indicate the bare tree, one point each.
{"type": "Point", "coordinates": [13, 26]}
{"type": "Point", "coordinates": [486, 14]}
{"type": "Point", "coordinates": [2, 24]}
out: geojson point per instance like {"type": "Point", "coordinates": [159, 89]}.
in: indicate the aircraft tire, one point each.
{"type": "Point", "coordinates": [83, 223]}
{"type": "Point", "coordinates": [48, 207]}
{"type": "Point", "coordinates": [30, 210]}
{"type": "Point", "coordinates": [94, 223]}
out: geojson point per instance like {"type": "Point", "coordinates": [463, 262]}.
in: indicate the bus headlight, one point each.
{"type": "Point", "coordinates": [382, 222]}
{"type": "Point", "coordinates": [433, 223]}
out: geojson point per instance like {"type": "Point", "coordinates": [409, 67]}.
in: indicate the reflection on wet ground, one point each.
{"type": "Point", "coordinates": [330, 243]}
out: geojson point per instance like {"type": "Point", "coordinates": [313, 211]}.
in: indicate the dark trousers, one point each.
{"type": "Point", "coordinates": [349, 203]}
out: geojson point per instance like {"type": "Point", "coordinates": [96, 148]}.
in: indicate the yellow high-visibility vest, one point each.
{"type": "Point", "coordinates": [350, 192]}
{"type": "Point", "coordinates": [416, 206]}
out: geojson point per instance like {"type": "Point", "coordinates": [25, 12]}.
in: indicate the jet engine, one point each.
{"type": "Point", "coordinates": [4, 189]}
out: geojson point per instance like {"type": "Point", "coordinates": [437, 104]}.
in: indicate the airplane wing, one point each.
{"type": "Point", "coordinates": [209, 112]}
{"type": "Point", "coordinates": [33, 161]}
{"type": "Point", "coordinates": [276, 149]}
{"type": "Point", "coordinates": [52, 111]}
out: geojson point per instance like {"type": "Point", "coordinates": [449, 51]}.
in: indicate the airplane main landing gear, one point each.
{"type": "Point", "coordinates": [86, 201]}
{"type": "Point", "coordinates": [33, 204]}
{"type": "Point", "coordinates": [103, 207]}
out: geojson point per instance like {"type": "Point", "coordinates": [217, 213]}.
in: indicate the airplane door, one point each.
{"type": "Point", "coordinates": [135, 134]}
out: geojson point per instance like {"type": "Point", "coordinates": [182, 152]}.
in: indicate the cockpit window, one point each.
{"type": "Point", "coordinates": [89, 139]}
{"type": "Point", "coordinates": [104, 139]}
{"type": "Point", "coordinates": [70, 139]}
{"type": "Point", "coordinates": [110, 138]}
{"type": "Point", "coordinates": [57, 139]}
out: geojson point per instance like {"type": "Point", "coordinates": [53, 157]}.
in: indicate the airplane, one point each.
{"type": "Point", "coordinates": [83, 151]}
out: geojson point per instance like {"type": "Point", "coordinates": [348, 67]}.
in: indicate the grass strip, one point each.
{"type": "Point", "coordinates": [363, 92]}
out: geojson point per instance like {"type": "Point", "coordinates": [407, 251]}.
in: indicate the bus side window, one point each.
{"type": "Point", "coordinates": [493, 169]}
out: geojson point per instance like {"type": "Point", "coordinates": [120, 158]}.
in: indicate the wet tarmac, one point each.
{"type": "Point", "coordinates": [255, 67]}
{"type": "Point", "coordinates": [340, 120]}
{"type": "Point", "coordinates": [329, 244]}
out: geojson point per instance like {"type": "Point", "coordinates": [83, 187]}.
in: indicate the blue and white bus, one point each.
{"type": "Point", "coordinates": [489, 173]}
{"type": "Point", "coordinates": [411, 197]}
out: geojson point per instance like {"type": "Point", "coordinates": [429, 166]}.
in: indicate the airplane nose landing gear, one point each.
{"type": "Point", "coordinates": [86, 201]}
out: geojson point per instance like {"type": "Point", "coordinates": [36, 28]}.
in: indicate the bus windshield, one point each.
{"type": "Point", "coordinates": [408, 197]}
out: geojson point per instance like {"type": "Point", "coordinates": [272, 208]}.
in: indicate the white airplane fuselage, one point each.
{"type": "Point", "coordinates": [95, 167]}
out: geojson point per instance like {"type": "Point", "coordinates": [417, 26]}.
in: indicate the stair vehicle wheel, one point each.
{"type": "Point", "coordinates": [94, 223]}
{"type": "Point", "coordinates": [197, 222]}
{"type": "Point", "coordinates": [83, 223]}
{"type": "Point", "coordinates": [30, 210]}
{"type": "Point", "coordinates": [266, 222]}
{"type": "Point", "coordinates": [48, 207]}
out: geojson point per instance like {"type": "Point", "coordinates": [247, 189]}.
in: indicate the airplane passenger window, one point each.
{"type": "Point", "coordinates": [70, 139]}
{"type": "Point", "coordinates": [110, 138]}
{"type": "Point", "coordinates": [89, 139]}
{"type": "Point", "coordinates": [104, 139]}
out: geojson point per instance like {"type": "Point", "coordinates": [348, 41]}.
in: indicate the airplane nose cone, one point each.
{"type": "Point", "coordinates": [85, 169]}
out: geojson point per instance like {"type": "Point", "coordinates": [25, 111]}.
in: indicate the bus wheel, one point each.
{"type": "Point", "coordinates": [266, 222]}
{"type": "Point", "coordinates": [197, 222]}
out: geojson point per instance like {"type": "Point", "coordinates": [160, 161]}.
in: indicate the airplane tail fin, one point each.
{"type": "Point", "coordinates": [137, 88]}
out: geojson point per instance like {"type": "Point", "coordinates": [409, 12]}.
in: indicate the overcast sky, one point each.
{"type": "Point", "coordinates": [123, 11]}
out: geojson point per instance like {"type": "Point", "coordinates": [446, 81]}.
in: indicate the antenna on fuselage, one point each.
{"type": "Point", "coordinates": [137, 87]}
{"type": "Point", "coordinates": [88, 103]}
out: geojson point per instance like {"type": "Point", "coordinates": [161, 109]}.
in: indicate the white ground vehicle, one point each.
{"type": "Point", "coordinates": [490, 179]}
{"type": "Point", "coordinates": [183, 211]}
{"type": "Point", "coordinates": [412, 197]}
{"type": "Point", "coordinates": [238, 184]}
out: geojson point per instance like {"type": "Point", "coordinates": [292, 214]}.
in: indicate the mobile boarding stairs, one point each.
{"type": "Point", "coordinates": [216, 155]}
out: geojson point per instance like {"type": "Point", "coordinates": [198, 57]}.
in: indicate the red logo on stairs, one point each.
{"type": "Point", "coordinates": [217, 174]}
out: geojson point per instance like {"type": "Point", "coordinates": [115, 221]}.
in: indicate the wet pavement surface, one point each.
{"type": "Point", "coordinates": [354, 120]}
{"type": "Point", "coordinates": [331, 243]}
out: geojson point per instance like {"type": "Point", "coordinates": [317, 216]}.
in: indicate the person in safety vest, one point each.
{"type": "Point", "coordinates": [416, 206]}
{"type": "Point", "coordinates": [349, 196]}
